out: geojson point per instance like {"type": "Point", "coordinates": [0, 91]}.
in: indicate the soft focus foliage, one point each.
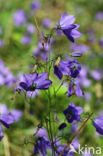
{"type": "Point", "coordinates": [23, 27]}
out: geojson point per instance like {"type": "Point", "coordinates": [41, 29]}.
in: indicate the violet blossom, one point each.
{"type": "Point", "coordinates": [72, 113]}
{"type": "Point", "coordinates": [19, 18]}
{"type": "Point", "coordinates": [69, 29]}
{"type": "Point", "coordinates": [98, 124]}
{"type": "Point", "coordinates": [35, 81]}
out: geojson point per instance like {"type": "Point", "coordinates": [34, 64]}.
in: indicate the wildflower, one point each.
{"type": "Point", "coordinates": [73, 113]}
{"type": "Point", "coordinates": [35, 5]}
{"type": "Point", "coordinates": [67, 68]}
{"type": "Point", "coordinates": [41, 146]}
{"type": "Point", "coordinates": [16, 114]}
{"type": "Point", "coordinates": [60, 149]}
{"type": "Point", "coordinates": [44, 49]}
{"type": "Point", "coordinates": [74, 88]}
{"type": "Point", "coordinates": [19, 18]}
{"type": "Point", "coordinates": [42, 142]}
{"type": "Point", "coordinates": [82, 78]}
{"type": "Point", "coordinates": [98, 124]}
{"type": "Point", "coordinates": [26, 39]}
{"type": "Point", "coordinates": [6, 77]}
{"type": "Point", "coordinates": [30, 28]}
{"type": "Point", "coordinates": [5, 120]}
{"type": "Point", "coordinates": [69, 29]}
{"type": "Point", "coordinates": [61, 69]}
{"type": "Point", "coordinates": [46, 23]}
{"type": "Point", "coordinates": [35, 81]}
{"type": "Point", "coordinates": [96, 74]}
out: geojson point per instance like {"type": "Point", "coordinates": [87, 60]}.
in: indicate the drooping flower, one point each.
{"type": "Point", "coordinates": [30, 94]}
{"type": "Point", "coordinates": [35, 81]}
{"type": "Point", "coordinates": [61, 69]}
{"type": "Point", "coordinates": [16, 114]}
{"type": "Point", "coordinates": [75, 68]}
{"type": "Point", "coordinates": [60, 149]}
{"type": "Point", "coordinates": [67, 68]}
{"type": "Point", "coordinates": [19, 18]}
{"type": "Point", "coordinates": [5, 120]}
{"type": "Point", "coordinates": [41, 146]}
{"type": "Point", "coordinates": [42, 142]}
{"type": "Point", "coordinates": [69, 29]}
{"type": "Point", "coordinates": [74, 89]}
{"type": "Point", "coordinates": [98, 124]}
{"type": "Point", "coordinates": [73, 113]}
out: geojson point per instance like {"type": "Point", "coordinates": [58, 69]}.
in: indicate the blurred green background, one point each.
{"type": "Point", "coordinates": [18, 58]}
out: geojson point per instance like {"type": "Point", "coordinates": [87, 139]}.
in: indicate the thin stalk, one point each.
{"type": "Point", "coordinates": [78, 131]}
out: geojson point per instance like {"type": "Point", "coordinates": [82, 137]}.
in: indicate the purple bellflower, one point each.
{"type": "Point", "coordinates": [30, 94]}
{"type": "Point", "coordinates": [19, 18]}
{"type": "Point", "coordinates": [83, 79]}
{"type": "Point", "coordinates": [74, 89]}
{"type": "Point", "coordinates": [41, 146]}
{"type": "Point", "coordinates": [42, 51]}
{"type": "Point", "coordinates": [35, 5]}
{"type": "Point", "coordinates": [26, 39]}
{"type": "Point", "coordinates": [73, 113]}
{"type": "Point", "coordinates": [35, 81]}
{"type": "Point", "coordinates": [30, 28]}
{"type": "Point", "coordinates": [42, 142]}
{"type": "Point", "coordinates": [5, 120]}
{"type": "Point", "coordinates": [6, 77]}
{"type": "Point", "coordinates": [46, 23]}
{"type": "Point", "coordinates": [69, 29]}
{"type": "Point", "coordinates": [98, 124]}
{"type": "Point", "coordinates": [14, 112]}
{"type": "Point", "coordinates": [96, 74]}
{"type": "Point", "coordinates": [67, 68]}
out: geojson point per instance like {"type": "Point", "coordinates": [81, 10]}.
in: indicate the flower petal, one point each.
{"type": "Point", "coordinates": [43, 84]}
